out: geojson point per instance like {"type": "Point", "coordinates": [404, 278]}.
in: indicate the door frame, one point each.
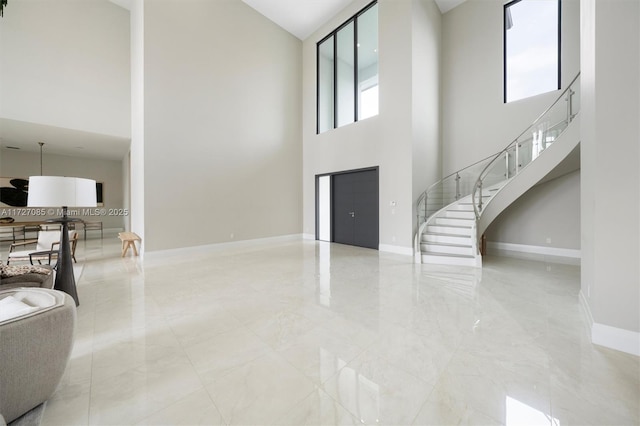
{"type": "Point", "coordinates": [331, 174]}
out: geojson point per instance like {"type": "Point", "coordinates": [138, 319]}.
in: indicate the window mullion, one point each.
{"type": "Point", "coordinates": [335, 80]}
{"type": "Point", "coordinates": [559, 44]}
{"type": "Point", "coordinates": [355, 70]}
{"type": "Point", "coordinates": [318, 89]}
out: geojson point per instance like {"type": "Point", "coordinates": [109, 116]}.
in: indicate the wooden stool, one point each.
{"type": "Point", "coordinates": [129, 240]}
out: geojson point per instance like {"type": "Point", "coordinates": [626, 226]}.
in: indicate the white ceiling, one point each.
{"type": "Point", "coordinates": [76, 143]}
{"type": "Point", "coordinates": [447, 5]}
{"type": "Point", "coordinates": [302, 17]}
{"type": "Point", "coordinates": [299, 17]}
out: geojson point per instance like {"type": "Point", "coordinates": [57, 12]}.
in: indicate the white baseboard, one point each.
{"type": "Point", "coordinates": [610, 337]}
{"type": "Point", "coordinates": [533, 252]}
{"type": "Point", "coordinates": [387, 248]}
{"type": "Point", "coordinates": [211, 248]}
{"type": "Point", "coordinates": [616, 338]}
{"type": "Point", "coordinates": [308, 236]}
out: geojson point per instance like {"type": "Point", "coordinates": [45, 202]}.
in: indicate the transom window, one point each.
{"type": "Point", "coordinates": [531, 48]}
{"type": "Point", "coordinates": [347, 73]}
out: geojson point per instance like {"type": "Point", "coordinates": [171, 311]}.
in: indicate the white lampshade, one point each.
{"type": "Point", "coordinates": [61, 191]}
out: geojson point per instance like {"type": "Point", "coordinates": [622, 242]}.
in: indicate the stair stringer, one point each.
{"type": "Point", "coordinates": [530, 175]}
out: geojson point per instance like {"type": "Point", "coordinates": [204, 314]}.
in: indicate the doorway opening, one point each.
{"type": "Point", "coordinates": [347, 207]}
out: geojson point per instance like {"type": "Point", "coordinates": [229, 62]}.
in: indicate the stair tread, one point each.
{"type": "Point", "coordinates": [442, 234]}
{"type": "Point", "coordinates": [454, 218]}
{"type": "Point", "coordinates": [433, 253]}
{"type": "Point", "coordinates": [450, 226]}
{"type": "Point", "coordinates": [446, 244]}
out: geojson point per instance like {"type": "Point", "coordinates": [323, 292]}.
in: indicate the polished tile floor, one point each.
{"type": "Point", "coordinates": [301, 332]}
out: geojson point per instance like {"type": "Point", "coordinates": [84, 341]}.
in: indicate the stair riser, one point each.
{"type": "Point", "coordinates": [459, 214]}
{"type": "Point", "coordinates": [426, 238]}
{"type": "Point", "coordinates": [434, 248]}
{"type": "Point", "coordinates": [452, 221]}
{"type": "Point", "coordinates": [448, 230]}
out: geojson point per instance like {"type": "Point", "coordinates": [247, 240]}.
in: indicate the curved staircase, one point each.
{"type": "Point", "coordinates": [454, 212]}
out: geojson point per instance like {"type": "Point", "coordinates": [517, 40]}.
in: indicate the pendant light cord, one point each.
{"type": "Point", "coordinates": [40, 143]}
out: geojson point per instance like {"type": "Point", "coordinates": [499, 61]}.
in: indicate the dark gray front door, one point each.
{"type": "Point", "coordinates": [355, 208]}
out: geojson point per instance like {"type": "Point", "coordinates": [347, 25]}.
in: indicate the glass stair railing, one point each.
{"type": "Point", "coordinates": [541, 134]}
{"type": "Point", "coordinates": [449, 189]}
{"type": "Point", "coordinates": [490, 174]}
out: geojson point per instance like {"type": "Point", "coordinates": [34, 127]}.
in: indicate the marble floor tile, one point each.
{"type": "Point", "coordinates": [306, 332]}
{"type": "Point", "coordinates": [194, 409]}
{"type": "Point", "coordinates": [376, 391]}
{"type": "Point", "coordinates": [317, 409]}
{"type": "Point", "coordinates": [319, 354]}
{"type": "Point", "coordinates": [260, 391]}
{"type": "Point", "coordinates": [136, 394]}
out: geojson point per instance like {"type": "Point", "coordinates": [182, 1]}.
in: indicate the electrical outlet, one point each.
{"type": "Point", "coordinates": [232, 236]}
{"type": "Point", "coordinates": [548, 240]}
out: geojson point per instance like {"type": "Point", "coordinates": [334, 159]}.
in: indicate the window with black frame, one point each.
{"type": "Point", "coordinates": [347, 71]}
{"type": "Point", "coordinates": [531, 48]}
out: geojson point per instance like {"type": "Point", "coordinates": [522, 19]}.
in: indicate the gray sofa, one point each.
{"type": "Point", "coordinates": [37, 326]}
{"type": "Point", "coordinates": [28, 279]}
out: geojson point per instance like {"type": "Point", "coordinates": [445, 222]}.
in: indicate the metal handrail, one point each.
{"type": "Point", "coordinates": [478, 183]}
{"type": "Point", "coordinates": [457, 172]}
{"type": "Point", "coordinates": [423, 195]}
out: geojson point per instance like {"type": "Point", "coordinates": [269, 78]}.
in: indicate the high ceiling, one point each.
{"type": "Point", "coordinates": [302, 17]}
{"type": "Point", "coordinates": [299, 17]}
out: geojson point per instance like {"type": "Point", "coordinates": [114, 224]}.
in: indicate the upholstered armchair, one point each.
{"type": "Point", "coordinates": [36, 337]}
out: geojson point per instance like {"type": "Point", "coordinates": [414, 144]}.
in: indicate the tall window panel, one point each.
{"type": "Point", "coordinates": [347, 74]}
{"type": "Point", "coordinates": [325, 85]}
{"type": "Point", "coordinates": [531, 48]}
{"type": "Point", "coordinates": [368, 63]}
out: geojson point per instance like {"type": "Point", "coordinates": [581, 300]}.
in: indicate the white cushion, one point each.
{"type": "Point", "coordinates": [38, 300]}
{"type": "Point", "coordinates": [10, 307]}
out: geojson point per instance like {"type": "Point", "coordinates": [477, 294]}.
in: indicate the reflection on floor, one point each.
{"type": "Point", "coordinates": [303, 332]}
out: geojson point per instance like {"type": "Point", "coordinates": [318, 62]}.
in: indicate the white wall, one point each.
{"type": "Point", "coordinates": [109, 172]}
{"type": "Point", "coordinates": [137, 155]}
{"type": "Point", "coordinates": [610, 174]}
{"type": "Point", "coordinates": [477, 123]}
{"type": "Point", "coordinates": [541, 215]}
{"type": "Point", "coordinates": [386, 140]}
{"type": "Point", "coordinates": [426, 96]}
{"type": "Point", "coordinates": [126, 190]}
{"type": "Point", "coordinates": [222, 139]}
{"type": "Point", "coordinates": [66, 64]}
